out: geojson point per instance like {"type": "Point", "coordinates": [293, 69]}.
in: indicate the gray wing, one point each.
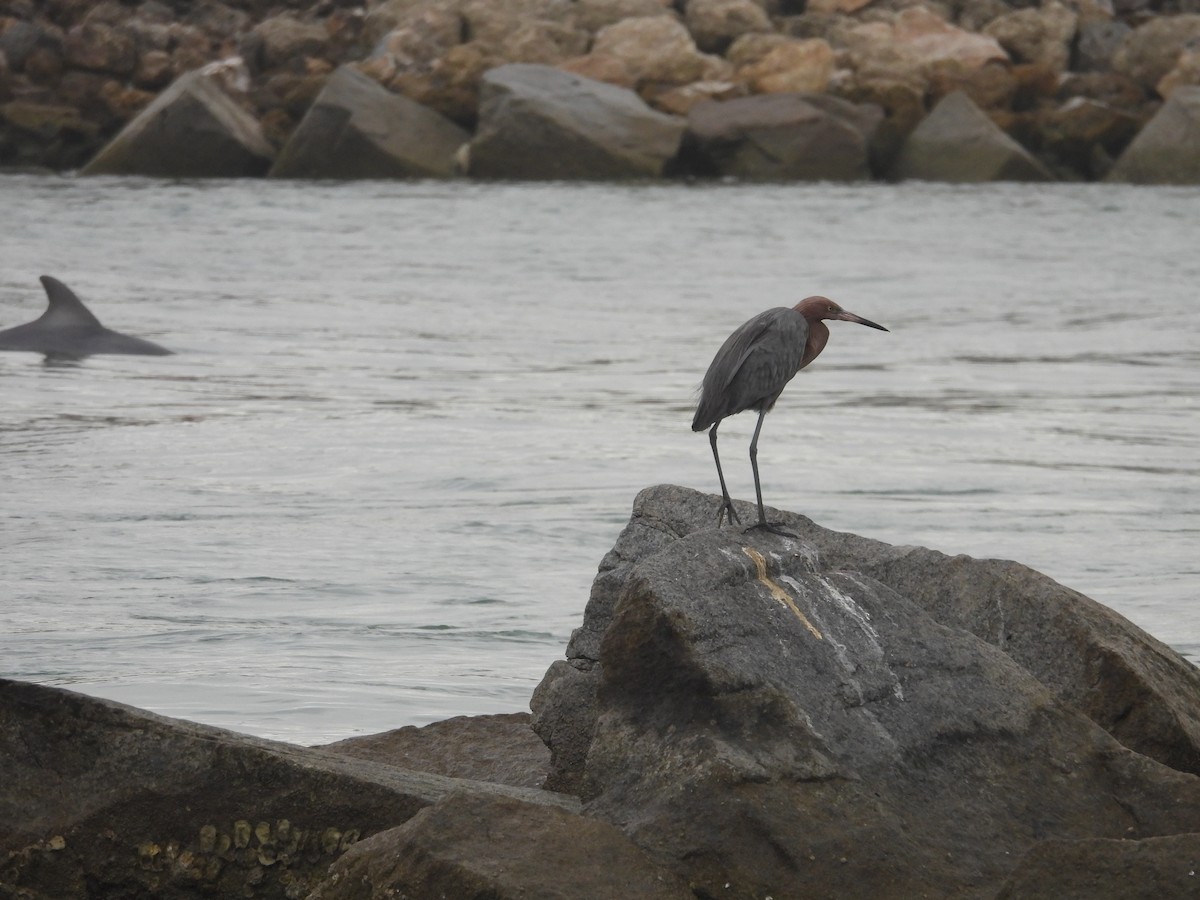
{"type": "Point", "coordinates": [752, 366]}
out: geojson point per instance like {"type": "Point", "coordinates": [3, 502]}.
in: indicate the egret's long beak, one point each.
{"type": "Point", "coordinates": [851, 317]}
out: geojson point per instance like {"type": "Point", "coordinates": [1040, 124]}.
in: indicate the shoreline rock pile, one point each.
{"type": "Point", "coordinates": [757, 89]}
{"type": "Point", "coordinates": [739, 715]}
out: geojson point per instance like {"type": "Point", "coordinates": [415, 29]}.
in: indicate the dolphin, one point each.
{"type": "Point", "coordinates": [68, 330]}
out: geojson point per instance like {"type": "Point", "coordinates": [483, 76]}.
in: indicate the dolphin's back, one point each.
{"type": "Point", "coordinates": [69, 330]}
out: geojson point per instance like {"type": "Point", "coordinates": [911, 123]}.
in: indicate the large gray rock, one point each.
{"type": "Point", "coordinates": [786, 137]}
{"type": "Point", "coordinates": [191, 130]}
{"type": "Point", "coordinates": [785, 716]}
{"type": "Point", "coordinates": [958, 142]}
{"type": "Point", "coordinates": [101, 800]}
{"type": "Point", "coordinates": [538, 122]}
{"type": "Point", "coordinates": [358, 129]}
{"type": "Point", "coordinates": [1167, 150]}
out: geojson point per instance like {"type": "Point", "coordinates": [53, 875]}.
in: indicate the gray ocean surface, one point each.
{"type": "Point", "coordinates": [407, 420]}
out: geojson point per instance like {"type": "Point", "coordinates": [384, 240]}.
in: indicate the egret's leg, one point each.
{"type": "Point", "coordinates": [762, 514]}
{"type": "Point", "coordinates": [726, 502]}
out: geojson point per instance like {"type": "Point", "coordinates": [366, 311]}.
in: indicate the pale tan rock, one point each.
{"type": "Point", "coordinates": [492, 22]}
{"type": "Point", "coordinates": [541, 41]}
{"type": "Point", "coordinates": [153, 70]}
{"type": "Point", "coordinates": [286, 38]}
{"type": "Point", "coordinates": [1037, 35]}
{"type": "Point", "coordinates": [751, 48]}
{"type": "Point", "coordinates": [1153, 49]}
{"type": "Point", "coordinates": [794, 66]}
{"type": "Point", "coordinates": [1185, 73]}
{"type": "Point", "coordinates": [678, 101]}
{"type": "Point", "coordinates": [602, 67]}
{"type": "Point", "coordinates": [658, 49]}
{"type": "Point", "coordinates": [422, 38]}
{"type": "Point", "coordinates": [913, 46]}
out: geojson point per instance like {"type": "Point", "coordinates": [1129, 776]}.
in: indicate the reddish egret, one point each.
{"type": "Point", "coordinates": [751, 370]}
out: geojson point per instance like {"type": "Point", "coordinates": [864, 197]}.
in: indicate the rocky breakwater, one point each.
{"type": "Point", "coordinates": [739, 715]}
{"type": "Point", "coordinates": [817, 89]}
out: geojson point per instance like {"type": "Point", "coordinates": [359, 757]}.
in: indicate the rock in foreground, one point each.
{"type": "Point", "coordinates": [743, 714]}
{"type": "Point", "coordinates": [768, 720]}
{"type": "Point", "coordinates": [101, 800]}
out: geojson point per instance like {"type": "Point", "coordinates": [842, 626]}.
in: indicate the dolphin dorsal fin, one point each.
{"type": "Point", "coordinates": [65, 308]}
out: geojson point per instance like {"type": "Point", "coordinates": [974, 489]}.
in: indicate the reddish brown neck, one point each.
{"type": "Point", "coordinates": [818, 336]}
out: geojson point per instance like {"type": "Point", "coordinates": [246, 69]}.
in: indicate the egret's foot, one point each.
{"type": "Point", "coordinates": [727, 510]}
{"type": "Point", "coordinates": [772, 527]}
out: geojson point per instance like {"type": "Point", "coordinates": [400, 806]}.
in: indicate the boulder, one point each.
{"type": "Point", "coordinates": [499, 847]}
{"type": "Point", "coordinates": [1152, 50]}
{"type": "Point", "coordinates": [358, 129]}
{"type": "Point", "coordinates": [914, 46]}
{"type": "Point", "coordinates": [286, 39]}
{"type": "Point", "coordinates": [100, 48]}
{"type": "Point", "coordinates": [657, 49]}
{"type": "Point", "coordinates": [715, 24]}
{"type": "Point", "coordinates": [191, 130]}
{"type": "Point", "coordinates": [958, 142]}
{"type": "Point", "coordinates": [1185, 73]}
{"type": "Point", "coordinates": [805, 137]}
{"type": "Point", "coordinates": [500, 748]}
{"type": "Point", "coordinates": [1043, 35]}
{"type": "Point", "coordinates": [768, 717]}
{"type": "Point", "coordinates": [790, 66]}
{"type": "Point", "coordinates": [1167, 150]}
{"type": "Point", "coordinates": [491, 22]}
{"type": "Point", "coordinates": [548, 43]}
{"type": "Point", "coordinates": [102, 800]}
{"type": "Point", "coordinates": [540, 122]}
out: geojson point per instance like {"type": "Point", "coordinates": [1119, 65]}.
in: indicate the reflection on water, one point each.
{"type": "Point", "coordinates": [408, 420]}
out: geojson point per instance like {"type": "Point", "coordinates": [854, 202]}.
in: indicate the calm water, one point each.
{"type": "Point", "coordinates": [408, 420]}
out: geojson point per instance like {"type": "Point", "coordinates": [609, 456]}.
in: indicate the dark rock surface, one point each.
{"type": "Point", "coordinates": [1150, 869]}
{"type": "Point", "coordinates": [192, 130]}
{"type": "Point", "coordinates": [539, 122]}
{"type": "Point", "coordinates": [798, 137]}
{"type": "Point", "coordinates": [501, 748]}
{"type": "Point", "coordinates": [499, 848]}
{"type": "Point", "coordinates": [1167, 150]}
{"type": "Point", "coordinates": [958, 142]}
{"type": "Point", "coordinates": [101, 800]}
{"type": "Point", "coordinates": [772, 717]}
{"type": "Point", "coordinates": [358, 129]}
